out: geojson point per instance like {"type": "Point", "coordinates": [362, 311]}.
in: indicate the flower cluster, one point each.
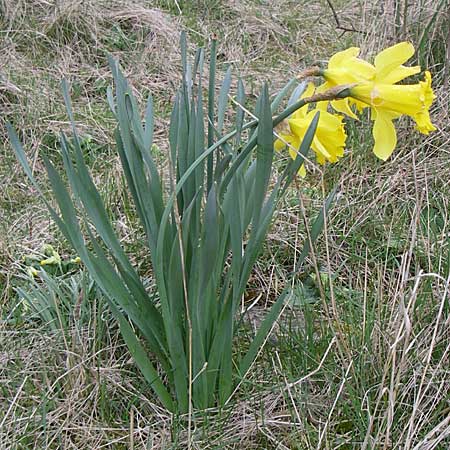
{"type": "Point", "coordinates": [373, 86]}
{"type": "Point", "coordinates": [52, 262]}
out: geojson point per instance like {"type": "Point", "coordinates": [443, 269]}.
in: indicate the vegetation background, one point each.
{"type": "Point", "coordinates": [361, 360]}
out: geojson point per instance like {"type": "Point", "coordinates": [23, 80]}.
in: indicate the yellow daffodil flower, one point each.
{"type": "Point", "coordinates": [375, 87]}
{"type": "Point", "coordinates": [329, 140]}
{"type": "Point", "coordinates": [346, 68]}
{"type": "Point", "coordinates": [390, 101]}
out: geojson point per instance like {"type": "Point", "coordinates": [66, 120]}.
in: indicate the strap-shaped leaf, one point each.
{"type": "Point", "coordinates": [200, 138]}
{"type": "Point", "coordinates": [107, 277]}
{"type": "Point", "coordinates": [240, 113]}
{"type": "Point", "coordinates": [254, 245]}
{"type": "Point", "coordinates": [282, 94]}
{"type": "Point", "coordinates": [189, 187]}
{"type": "Point", "coordinates": [86, 191]}
{"type": "Point", "coordinates": [182, 139]}
{"type": "Point", "coordinates": [135, 146]}
{"type": "Point", "coordinates": [142, 140]}
{"type": "Point", "coordinates": [101, 272]}
{"type": "Point", "coordinates": [186, 81]}
{"type": "Point", "coordinates": [210, 240]}
{"type": "Point", "coordinates": [220, 349]}
{"type": "Point", "coordinates": [264, 155]}
{"type": "Point", "coordinates": [241, 159]}
{"type": "Point", "coordinates": [298, 91]}
{"type": "Point", "coordinates": [211, 118]}
{"type": "Point", "coordinates": [173, 134]}
{"type": "Point", "coordinates": [222, 165]}
{"type": "Point", "coordinates": [223, 100]}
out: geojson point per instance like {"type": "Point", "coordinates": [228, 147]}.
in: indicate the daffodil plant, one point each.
{"type": "Point", "coordinates": [206, 231]}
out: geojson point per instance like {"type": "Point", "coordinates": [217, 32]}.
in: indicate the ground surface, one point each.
{"type": "Point", "coordinates": [361, 361]}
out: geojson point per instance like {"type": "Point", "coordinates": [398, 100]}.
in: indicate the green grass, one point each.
{"type": "Point", "coordinates": [375, 302]}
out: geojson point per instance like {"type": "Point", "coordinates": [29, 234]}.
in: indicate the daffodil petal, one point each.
{"type": "Point", "coordinates": [299, 126]}
{"type": "Point", "coordinates": [345, 68]}
{"type": "Point", "coordinates": [302, 171]}
{"type": "Point", "coordinates": [322, 106]}
{"type": "Point", "coordinates": [337, 59]}
{"type": "Point", "coordinates": [328, 123]}
{"type": "Point", "coordinates": [409, 99]}
{"type": "Point", "coordinates": [360, 69]}
{"type": "Point", "coordinates": [319, 148]}
{"type": "Point", "coordinates": [392, 58]}
{"type": "Point", "coordinates": [400, 73]}
{"type": "Point", "coordinates": [286, 139]}
{"type": "Point", "coordinates": [384, 135]}
{"type": "Point", "coordinates": [295, 143]}
{"type": "Point", "coordinates": [299, 113]}
{"type": "Point", "coordinates": [308, 91]}
{"type": "Point", "coordinates": [323, 87]}
{"type": "Point", "coordinates": [343, 107]}
{"type": "Point", "coordinates": [278, 145]}
{"type": "Point", "coordinates": [320, 159]}
{"type": "Point", "coordinates": [427, 90]}
{"type": "Point", "coordinates": [293, 152]}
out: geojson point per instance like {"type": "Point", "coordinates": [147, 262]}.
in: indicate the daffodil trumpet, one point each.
{"type": "Point", "coordinates": [388, 102]}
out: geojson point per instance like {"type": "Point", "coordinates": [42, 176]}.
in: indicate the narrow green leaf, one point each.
{"type": "Point", "coordinates": [104, 274]}
{"type": "Point", "coordinates": [264, 154]}
{"type": "Point", "coordinates": [225, 379]}
{"type": "Point", "coordinates": [173, 133]}
{"type": "Point", "coordinates": [199, 128]}
{"type": "Point", "coordinates": [223, 100]}
{"type": "Point", "coordinates": [211, 101]}
{"type": "Point", "coordinates": [282, 94]}
{"type": "Point", "coordinates": [298, 91]}
{"type": "Point", "coordinates": [211, 237]}
{"type": "Point", "coordinates": [222, 166]}
{"type": "Point", "coordinates": [240, 114]}
{"type": "Point", "coordinates": [185, 69]}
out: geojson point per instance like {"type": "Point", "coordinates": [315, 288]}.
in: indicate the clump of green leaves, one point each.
{"type": "Point", "coordinates": [203, 236]}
